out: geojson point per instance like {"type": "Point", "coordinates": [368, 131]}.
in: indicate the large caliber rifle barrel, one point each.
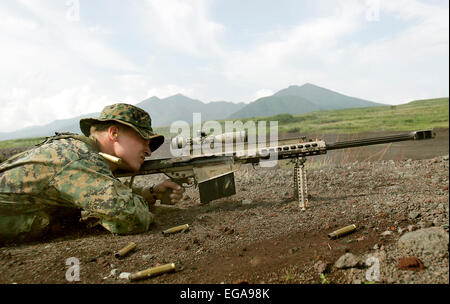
{"type": "Point", "coordinates": [415, 135]}
{"type": "Point", "coordinates": [299, 149]}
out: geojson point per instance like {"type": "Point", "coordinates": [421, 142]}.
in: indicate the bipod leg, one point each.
{"type": "Point", "coordinates": [301, 185]}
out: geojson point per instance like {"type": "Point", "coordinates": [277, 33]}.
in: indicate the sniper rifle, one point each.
{"type": "Point", "coordinates": [214, 172]}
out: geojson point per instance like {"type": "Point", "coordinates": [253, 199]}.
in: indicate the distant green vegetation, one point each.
{"type": "Point", "coordinates": [416, 115]}
{"type": "Point", "coordinates": [22, 142]}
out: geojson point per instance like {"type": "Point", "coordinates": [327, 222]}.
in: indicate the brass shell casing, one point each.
{"type": "Point", "coordinates": [111, 158]}
{"type": "Point", "coordinates": [150, 272]}
{"type": "Point", "coordinates": [175, 229]}
{"type": "Point", "coordinates": [342, 231]}
{"type": "Point", "coordinates": [125, 250]}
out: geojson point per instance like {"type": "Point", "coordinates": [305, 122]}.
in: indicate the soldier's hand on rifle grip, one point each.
{"type": "Point", "coordinates": [169, 192]}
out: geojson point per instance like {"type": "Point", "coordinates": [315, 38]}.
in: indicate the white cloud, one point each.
{"type": "Point", "coordinates": [133, 83]}
{"type": "Point", "coordinates": [183, 26]}
{"type": "Point", "coordinates": [408, 65]}
{"type": "Point", "coordinates": [394, 69]}
{"type": "Point", "coordinates": [280, 60]}
{"type": "Point", "coordinates": [53, 66]}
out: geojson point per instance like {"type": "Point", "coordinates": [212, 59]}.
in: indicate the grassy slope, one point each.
{"type": "Point", "coordinates": [416, 115]}
{"type": "Point", "coordinates": [423, 114]}
{"type": "Point", "coordinates": [15, 143]}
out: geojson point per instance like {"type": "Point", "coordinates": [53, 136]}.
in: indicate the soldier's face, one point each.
{"type": "Point", "coordinates": [132, 149]}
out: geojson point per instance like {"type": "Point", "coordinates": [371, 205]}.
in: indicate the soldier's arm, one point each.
{"type": "Point", "coordinates": [89, 184]}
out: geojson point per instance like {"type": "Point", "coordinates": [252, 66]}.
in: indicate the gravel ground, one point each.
{"type": "Point", "coordinates": [396, 195]}
{"type": "Point", "coordinates": [260, 235]}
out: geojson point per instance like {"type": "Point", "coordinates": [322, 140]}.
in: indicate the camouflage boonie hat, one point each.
{"type": "Point", "coordinates": [129, 115]}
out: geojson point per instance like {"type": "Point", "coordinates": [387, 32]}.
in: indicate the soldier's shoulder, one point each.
{"type": "Point", "coordinates": [70, 145]}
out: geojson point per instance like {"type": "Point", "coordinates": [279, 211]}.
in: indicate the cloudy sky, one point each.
{"type": "Point", "coordinates": [60, 59]}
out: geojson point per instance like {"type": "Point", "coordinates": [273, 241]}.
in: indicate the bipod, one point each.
{"type": "Point", "coordinates": [301, 185]}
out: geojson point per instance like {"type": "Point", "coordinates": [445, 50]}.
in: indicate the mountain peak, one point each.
{"type": "Point", "coordinates": [298, 90]}
{"type": "Point", "coordinates": [151, 99]}
{"type": "Point", "coordinates": [180, 98]}
{"type": "Point", "coordinates": [325, 98]}
{"type": "Point", "coordinates": [307, 84]}
{"type": "Point", "coordinates": [179, 95]}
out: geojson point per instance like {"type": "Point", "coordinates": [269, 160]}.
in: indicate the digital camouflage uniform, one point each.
{"type": "Point", "coordinates": [67, 173]}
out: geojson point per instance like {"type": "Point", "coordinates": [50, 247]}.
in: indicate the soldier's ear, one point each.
{"type": "Point", "coordinates": [113, 133]}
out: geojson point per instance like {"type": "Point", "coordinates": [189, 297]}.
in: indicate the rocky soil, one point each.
{"type": "Point", "coordinates": [260, 235]}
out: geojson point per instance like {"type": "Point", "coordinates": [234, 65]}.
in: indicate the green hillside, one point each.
{"type": "Point", "coordinates": [416, 115]}
{"type": "Point", "coordinates": [22, 142]}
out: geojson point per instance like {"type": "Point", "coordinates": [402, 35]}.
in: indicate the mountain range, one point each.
{"type": "Point", "coordinates": [293, 100]}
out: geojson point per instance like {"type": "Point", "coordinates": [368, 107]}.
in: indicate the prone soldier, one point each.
{"type": "Point", "coordinates": [67, 175]}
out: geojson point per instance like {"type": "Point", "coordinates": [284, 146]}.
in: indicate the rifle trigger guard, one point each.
{"type": "Point", "coordinates": [186, 185]}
